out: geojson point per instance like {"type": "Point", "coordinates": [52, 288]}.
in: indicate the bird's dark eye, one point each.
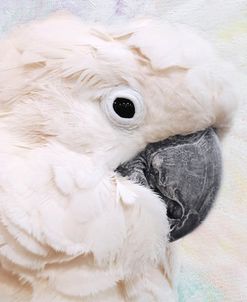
{"type": "Point", "coordinates": [125, 108]}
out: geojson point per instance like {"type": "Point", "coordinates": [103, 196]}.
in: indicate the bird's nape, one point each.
{"type": "Point", "coordinates": [185, 171]}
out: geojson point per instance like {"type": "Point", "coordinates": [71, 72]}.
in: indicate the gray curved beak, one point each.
{"type": "Point", "coordinates": [185, 171]}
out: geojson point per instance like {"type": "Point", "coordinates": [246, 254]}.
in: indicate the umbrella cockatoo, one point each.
{"type": "Point", "coordinates": [78, 101]}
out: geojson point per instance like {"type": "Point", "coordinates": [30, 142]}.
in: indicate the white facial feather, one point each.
{"type": "Point", "coordinates": [69, 226]}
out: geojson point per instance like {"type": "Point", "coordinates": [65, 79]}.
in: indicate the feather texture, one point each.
{"type": "Point", "coordinates": [71, 229]}
{"type": "Point", "coordinates": [82, 243]}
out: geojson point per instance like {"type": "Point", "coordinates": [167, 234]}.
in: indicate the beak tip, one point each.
{"type": "Point", "coordinates": [184, 227]}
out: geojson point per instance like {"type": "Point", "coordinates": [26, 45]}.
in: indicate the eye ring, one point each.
{"type": "Point", "coordinates": [127, 98]}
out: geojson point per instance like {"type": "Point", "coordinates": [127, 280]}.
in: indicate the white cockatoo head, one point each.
{"type": "Point", "coordinates": [109, 92]}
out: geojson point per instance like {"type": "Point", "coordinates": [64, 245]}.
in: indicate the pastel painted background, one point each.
{"type": "Point", "coordinates": [214, 257]}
